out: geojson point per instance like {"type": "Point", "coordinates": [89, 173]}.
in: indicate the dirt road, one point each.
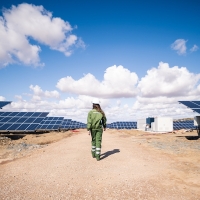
{"type": "Point", "coordinates": [131, 167]}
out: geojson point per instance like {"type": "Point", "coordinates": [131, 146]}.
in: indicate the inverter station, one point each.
{"type": "Point", "coordinates": [15, 122]}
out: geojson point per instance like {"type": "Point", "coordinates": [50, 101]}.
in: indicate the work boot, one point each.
{"type": "Point", "coordinates": [93, 154]}
{"type": "Point", "coordinates": [98, 157]}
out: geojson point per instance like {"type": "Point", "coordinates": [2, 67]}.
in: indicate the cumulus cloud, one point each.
{"type": "Point", "coordinates": [26, 21]}
{"type": "Point", "coordinates": [169, 82]}
{"type": "Point", "coordinates": [180, 46]}
{"type": "Point", "coordinates": [194, 48]}
{"type": "Point", "coordinates": [118, 82]}
{"type": "Point", "coordinates": [158, 94]}
{"type": "Point", "coordinates": [38, 93]}
{"type": "Point", "coordinates": [162, 88]}
{"type": "Point", "coordinates": [162, 106]}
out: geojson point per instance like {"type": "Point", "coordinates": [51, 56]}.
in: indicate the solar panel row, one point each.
{"type": "Point", "coordinates": [122, 125]}
{"type": "Point", "coordinates": [69, 124]}
{"type": "Point", "coordinates": [32, 121]}
{"type": "Point", "coordinates": [21, 121]}
{"type": "Point", "coordinates": [189, 124]}
{"type": "Point", "coordinates": [50, 123]}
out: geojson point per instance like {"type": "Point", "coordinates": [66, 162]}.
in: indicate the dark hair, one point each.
{"type": "Point", "coordinates": [98, 108]}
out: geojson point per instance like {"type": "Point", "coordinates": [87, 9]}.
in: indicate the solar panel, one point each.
{"type": "Point", "coordinates": [1, 113]}
{"type": "Point", "coordinates": [196, 110]}
{"type": "Point", "coordinates": [38, 120]}
{"type": "Point", "coordinates": [32, 127]}
{"type": "Point", "coordinates": [29, 120]}
{"type": "Point", "coordinates": [18, 114]}
{"type": "Point", "coordinates": [5, 119]}
{"type": "Point", "coordinates": [194, 105]}
{"type": "Point", "coordinates": [14, 126]}
{"type": "Point", "coordinates": [4, 103]}
{"type": "Point", "coordinates": [28, 114]}
{"type": "Point", "coordinates": [190, 104]}
{"type": "Point", "coordinates": [6, 113]}
{"type": "Point", "coordinates": [38, 115]}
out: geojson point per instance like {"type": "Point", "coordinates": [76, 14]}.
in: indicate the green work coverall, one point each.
{"type": "Point", "coordinates": [95, 124]}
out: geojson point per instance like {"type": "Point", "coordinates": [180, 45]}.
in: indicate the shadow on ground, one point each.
{"type": "Point", "coordinates": [109, 153]}
{"type": "Point", "coordinates": [190, 137]}
{"type": "Point", "coordinates": [14, 136]}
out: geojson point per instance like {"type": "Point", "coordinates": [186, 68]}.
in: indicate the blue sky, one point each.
{"type": "Point", "coordinates": [123, 52]}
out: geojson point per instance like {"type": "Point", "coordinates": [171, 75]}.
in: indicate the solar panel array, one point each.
{"type": "Point", "coordinates": [21, 121]}
{"type": "Point", "coordinates": [122, 125]}
{"type": "Point", "coordinates": [4, 103]}
{"type": "Point", "coordinates": [188, 124]}
{"type": "Point", "coordinates": [194, 105]}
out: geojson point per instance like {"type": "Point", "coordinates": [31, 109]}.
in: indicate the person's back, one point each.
{"type": "Point", "coordinates": [96, 122]}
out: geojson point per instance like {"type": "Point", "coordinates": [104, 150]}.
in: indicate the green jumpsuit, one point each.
{"type": "Point", "coordinates": [95, 124]}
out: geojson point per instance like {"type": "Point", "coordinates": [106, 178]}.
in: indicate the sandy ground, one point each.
{"type": "Point", "coordinates": [134, 165]}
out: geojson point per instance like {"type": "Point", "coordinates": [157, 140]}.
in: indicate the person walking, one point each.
{"type": "Point", "coordinates": [96, 123]}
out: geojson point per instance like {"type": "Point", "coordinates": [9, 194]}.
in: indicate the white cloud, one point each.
{"type": "Point", "coordinates": [169, 82]}
{"type": "Point", "coordinates": [159, 93]}
{"type": "Point", "coordinates": [119, 103]}
{"type": "Point", "coordinates": [118, 82]}
{"type": "Point", "coordinates": [194, 48]}
{"type": "Point", "coordinates": [2, 98]}
{"type": "Point", "coordinates": [38, 93]}
{"type": "Point", "coordinates": [180, 46]}
{"type": "Point", "coordinates": [25, 21]}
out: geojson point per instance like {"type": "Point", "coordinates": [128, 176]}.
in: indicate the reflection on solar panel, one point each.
{"type": "Point", "coordinates": [4, 103]}
{"type": "Point", "coordinates": [50, 123]}
{"type": "Point", "coordinates": [194, 105]}
{"type": "Point", "coordinates": [21, 121]}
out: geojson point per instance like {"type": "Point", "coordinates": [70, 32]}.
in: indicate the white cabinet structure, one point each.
{"type": "Point", "coordinates": [141, 124]}
{"type": "Point", "coordinates": [163, 124]}
{"type": "Point", "coordinates": [197, 121]}
{"type": "Point", "coordinates": [152, 126]}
